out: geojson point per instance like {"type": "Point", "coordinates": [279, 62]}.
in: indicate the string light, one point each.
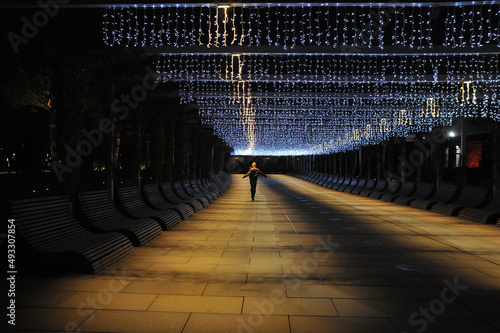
{"type": "Point", "coordinates": [347, 24]}
{"type": "Point", "coordinates": [289, 103]}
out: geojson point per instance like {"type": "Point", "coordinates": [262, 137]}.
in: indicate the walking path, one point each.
{"type": "Point", "coordinates": [300, 258]}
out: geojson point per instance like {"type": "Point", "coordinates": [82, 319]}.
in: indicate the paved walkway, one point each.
{"type": "Point", "coordinates": [300, 258]}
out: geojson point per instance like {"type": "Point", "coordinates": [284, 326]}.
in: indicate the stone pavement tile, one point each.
{"type": "Point", "coordinates": [206, 243]}
{"type": "Point", "coordinates": [333, 271]}
{"type": "Point", "coordinates": [128, 266]}
{"type": "Point", "coordinates": [243, 289]}
{"type": "Point", "coordinates": [233, 238]}
{"type": "Point", "coordinates": [381, 271]}
{"type": "Point", "coordinates": [73, 282]}
{"type": "Point", "coordinates": [393, 262]}
{"type": "Point", "coordinates": [185, 246]}
{"type": "Point", "coordinates": [160, 241]}
{"type": "Point", "coordinates": [454, 309]}
{"type": "Point", "coordinates": [45, 319]}
{"type": "Point", "coordinates": [494, 258]}
{"type": "Point", "coordinates": [440, 325]}
{"type": "Point", "coordinates": [282, 278]}
{"type": "Point", "coordinates": [164, 288]}
{"type": "Point", "coordinates": [147, 275]}
{"type": "Point", "coordinates": [267, 237]}
{"type": "Point", "coordinates": [204, 304]}
{"type": "Point", "coordinates": [165, 267]}
{"type": "Point", "coordinates": [418, 281]}
{"type": "Point", "coordinates": [231, 244]}
{"type": "Point", "coordinates": [153, 259]}
{"type": "Point", "coordinates": [111, 301]}
{"type": "Point", "coordinates": [309, 324]}
{"type": "Point", "coordinates": [487, 310]}
{"type": "Point", "coordinates": [453, 271]}
{"type": "Point", "coordinates": [364, 256]}
{"type": "Point", "coordinates": [298, 289]}
{"type": "Point", "coordinates": [211, 253]}
{"type": "Point", "coordinates": [219, 260]}
{"type": "Point", "coordinates": [277, 261]}
{"type": "Point", "coordinates": [409, 293]}
{"type": "Point", "coordinates": [297, 253]}
{"type": "Point", "coordinates": [149, 251]}
{"type": "Point", "coordinates": [493, 272]}
{"type": "Point", "coordinates": [40, 298]}
{"type": "Point", "coordinates": [289, 242]}
{"type": "Point", "coordinates": [209, 277]}
{"type": "Point", "coordinates": [135, 321]}
{"type": "Point", "coordinates": [223, 323]}
{"type": "Point", "coordinates": [376, 307]}
{"type": "Point", "coordinates": [258, 253]}
{"type": "Point", "coordinates": [352, 280]}
{"type": "Point", "coordinates": [279, 304]}
{"type": "Point", "coordinates": [180, 253]}
{"type": "Point", "coordinates": [248, 269]}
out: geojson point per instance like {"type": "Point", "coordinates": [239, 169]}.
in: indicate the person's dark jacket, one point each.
{"type": "Point", "coordinates": [253, 173]}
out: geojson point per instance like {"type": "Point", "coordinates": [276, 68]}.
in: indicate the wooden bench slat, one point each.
{"type": "Point", "coordinates": [154, 197]}
{"type": "Point", "coordinates": [406, 189]}
{"type": "Point", "coordinates": [50, 228]}
{"type": "Point", "coordinates": [358, 187]}
{"type": "Point", "coordinates": [470, 196]}
{"type": "Point", "coordinates": [102, 215]}
{"type": "Point", "coordinates": [488, 214]}
{"type": "Point", "coordinates": [423, 191]}
{"type": "Point", "coordinates": [445, 193]}
{"type": "Point", "coordinates": [132, 203]}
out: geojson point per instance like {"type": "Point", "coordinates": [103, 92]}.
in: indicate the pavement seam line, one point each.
{"type": "Point", "coordinates": [300, 239]}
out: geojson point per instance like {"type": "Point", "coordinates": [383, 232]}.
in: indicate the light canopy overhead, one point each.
{"type": "Point", "coordinates": [299, 78]}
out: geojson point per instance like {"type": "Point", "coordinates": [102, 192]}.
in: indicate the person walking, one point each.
{"type": "Point", "coordinates": [253, 173]}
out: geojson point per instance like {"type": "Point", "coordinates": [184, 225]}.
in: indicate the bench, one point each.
{"type": "Point", "coordinates": [169, 194]}
{"type": "Point", "coordinates": [191, 192]}
{"type": "Point", "coordinates": [133, 205]}
{"type": "Point", "coordinates": [359, 186]}
{"type": "Point", "coordinates": [300, 174]}
{"type": "Point", "coordinates": [332, 182]}
{"type": "Point", "coordinates": [211, 195]}
{"type": "Point", "coordinates": [370, 184]}
{"type": "Point", "coordinates": [379, 187]}
{"type": "Point", "coordinates": [181, 193]}
{"type": "Point", "coordinates": [342, 185]}
{"type": "Point", "coordinates": [445, 193]}
{"type": "Point", "coordinates": [54, 236]}
{"type": "Point", "coordinates": [488, 214]}
{"type": "Point", "coordinates": [350, 185]}
{"type": "Point", "coordinates": [216, 192]}
{"type": "Point", "coordinates": [102, 215]}
{"type": "Point", "coordinates": [154, 198]}
{"type": "Point", "coordinates": [337, 180]}
{"type": "Point", "coordinates": [317, 176]}
{"type": "Point", "coordinates": [423, 191]}
{"type": "Point", "coordinates": [324, 176]}
{"type": "Point", "coordinates": [306, 175]}
{"type": "Point", "coordinates": [406, 189]}
{"type": "Point", "coordinates": [391, 188]}
{"type": "Point", "coordinates": [471, 196]}
{"type": "Point", "coordinates": [223, 180]}
{"type": "Point", "coordinates": [208, 186]}
{"type": "Point", "coordinates": [219, 183]}
{"type": "Point", "coordinates": [325, 182]}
